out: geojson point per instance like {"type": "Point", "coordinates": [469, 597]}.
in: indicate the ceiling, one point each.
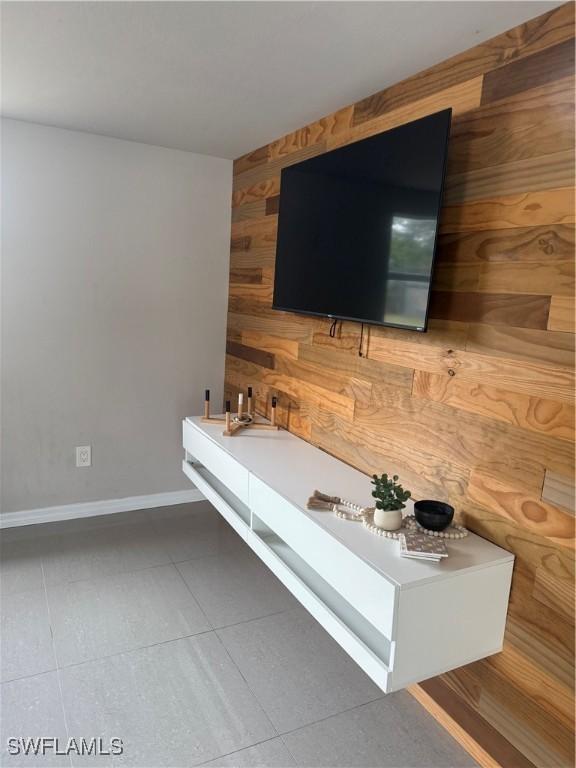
{"type": "Point", "coordinates": [222, 78]}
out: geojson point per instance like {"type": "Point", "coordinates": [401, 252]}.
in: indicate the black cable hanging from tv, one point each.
{"type": "Point", "coordinates": [360, 352]}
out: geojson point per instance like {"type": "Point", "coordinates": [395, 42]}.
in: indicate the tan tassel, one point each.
{"type": "Point", "coordinates": [315, 503]}
{"type": "Point", "coordinates": [325, 497]}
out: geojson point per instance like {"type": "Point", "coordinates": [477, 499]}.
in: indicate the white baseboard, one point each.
{"type": "Point", "coordinates": [92, 508]}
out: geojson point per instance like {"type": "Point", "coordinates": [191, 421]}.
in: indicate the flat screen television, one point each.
{"type": "Point", "coordinates": [357, 227]}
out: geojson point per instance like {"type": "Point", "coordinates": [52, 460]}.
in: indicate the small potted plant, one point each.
{"type": "Point", "coordinates": [390, 498]}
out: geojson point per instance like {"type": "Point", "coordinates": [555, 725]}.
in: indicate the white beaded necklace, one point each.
{"type": "Point", "coordinates": [365, 516]}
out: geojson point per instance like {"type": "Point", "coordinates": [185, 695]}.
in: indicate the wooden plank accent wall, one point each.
{"type": "Point", "coordinates": [479, 410]}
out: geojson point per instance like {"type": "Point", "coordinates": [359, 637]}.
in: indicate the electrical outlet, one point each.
{"type": "Point", "coordinates": [83, 456]}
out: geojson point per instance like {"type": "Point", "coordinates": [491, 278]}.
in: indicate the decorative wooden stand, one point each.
{"type": "Point", "coordinates": [243, 419]}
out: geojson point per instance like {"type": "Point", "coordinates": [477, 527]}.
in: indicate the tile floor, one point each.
{"type": "Point", "coordinates": [162, 629]}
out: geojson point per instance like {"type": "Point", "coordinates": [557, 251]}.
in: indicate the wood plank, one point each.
{"type": "Point", "coordinates": [517, 725]}
{"type": "Point", "coordinates": [546, 520]}
{"type": "Point", "coordinates": [274, 166]}
{"type": "Point", "coordinates": [276, 345]}
{"type": "Point", "coordinates": [555, 593]}
{"type": "Point", "coordinates": [562, 314]}
{"type": "Point", "coordinates": [461, 734]}
{"type": "Point", "coordinates": [522, 343]}
{"type": "Point", "coordinates": [322, 397]}
{"type": "Point", "coordinates": [518, 310]}
{"type": "Point", "coordinates": [253, 243]}
{"type": "Point", "coordinates": [331, 360]}
{"type": "Point", "coordinates": [251, 159]}
{"type": "Point", "coordinates": [258, 230]}
{"type": "Point", "coordinates": [441, 333]}
{"type": "Point", "coordinates": [272, 205]}
{"type": "Point", "coordinates": [436, 359]}
{"type": "Point", "coordinates": [253, 210]}
{"type": "Point", "coordinates": [529, 638]}
{"type": "Point", "coordinates": [544, 244]}
{"type": "Point", "coordinates": [535, 35]}
{"type": "Point", "coordinates": [456, 276]}
{"type": "Point", "coordinates": [555, 278]}
{"type": "Point", "coordinates": [370, 454]}
{"type": "Point", "coordinates": [531, 124]}
{"type": "Point", "coordinates": [480, 739]}
{"type": "Point", "coordinates": [559, 490]}
{"type": "Point", "coordinates": [552, 206]}
{"type": "Point", "coordinates": [289, 328]}
{"type": "Point", "coordinates": [545, 66]}
{"type": "Point", "coordinates": [517, 456]}
{"type": "Point", "coordinates": [246, 275]}
{"type": "Point", "coordinates": [313, 133]}
{"type": "Point", "coordinates": [257, 292]}
{"type": "Point", "coordinates": [460, 98]}
{"type": "Point", "coordinates": [519, 410]}
{"type": "Point", "coordinates": [309, 373]}
{"type": "Point", "coordinates": [526, 376]}
{"type": "Point", "coordinates": [519, 715]}
{"type": "Point", "coordinates": [531, 552]}
{"type": "Point", "coordinates": [254, 305]}
{"type": "Point", "coordinates": [259, 191]}
{"type": "Point", "coordinates": [258, 356]}
{"type": "Point", "coordinates": [530, 174]}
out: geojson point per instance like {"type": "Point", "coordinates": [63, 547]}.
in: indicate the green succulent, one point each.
{"type": "Point", "coordinates": [389, 494]}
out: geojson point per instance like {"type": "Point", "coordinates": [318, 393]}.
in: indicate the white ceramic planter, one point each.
{"type": "Point", "coordinates": [388, 519]}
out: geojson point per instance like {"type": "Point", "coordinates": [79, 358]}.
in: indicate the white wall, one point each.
{"type": "Point", "coordinates": [115, 280]}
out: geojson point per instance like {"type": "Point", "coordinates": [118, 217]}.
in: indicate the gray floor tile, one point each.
{"type": "Point", "coordinates": [195, 530]}
{"type": "Point", "coordinates": [101, 551]}
{"type": "Point", "coordinates": [30, 709]}
{"type": "Point", "coordinates": [99, 617]}
{"type": "Point", "coordinates": [394, 732]}
{"type": "Point", "coordinates": [177, 704]}
{"type": "Point", "coordinates": [269, 754]}
{"type": "Point", "coordinates": [236, 587]}
{"type": "Point", "coordinates": [20, 567]}
{"type": "Point", "coordinates": [298, 673]}
{"type": "Point", "coordinates": [26, 641]}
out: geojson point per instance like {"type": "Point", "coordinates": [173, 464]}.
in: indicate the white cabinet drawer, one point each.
{"type": "Point", "coordinates": [367, 590]}
{"type": "Point", "coordinates": [218, 462]}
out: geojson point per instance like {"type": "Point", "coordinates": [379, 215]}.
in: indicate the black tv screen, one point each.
{"type": "Point", "coordinates": [357, 227]}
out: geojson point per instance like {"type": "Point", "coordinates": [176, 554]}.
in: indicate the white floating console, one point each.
{"type": "Point", "coordinates": [401, 620]}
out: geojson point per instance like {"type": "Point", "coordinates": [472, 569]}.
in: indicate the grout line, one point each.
{"type": "Point", "coordinates": [151, 645]}
{"type": "Point", "coordinates": [256, 618]}
{"type": "Point", "coordinates": [242, 749]}
{"type": "Point", "coordinates": [256, 699]}
{"type": "Point", "coordinates": [60, 691]}
{"type": "Point", "coordinates": [28, 677]}
{"type": "Point", "coordinates": [187, 586]}
{"type": "Point", "coordinates": [134, 650]}
{"type": "Point", "coordinates": [110, 575]}
{"type": "Point", "coordinates": [287, 748]}
{"type": "Point", "coordinates": [329, 717]}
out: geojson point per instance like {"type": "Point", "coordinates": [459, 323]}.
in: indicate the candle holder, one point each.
{"type": "Point", "coordinates": [243, 419]}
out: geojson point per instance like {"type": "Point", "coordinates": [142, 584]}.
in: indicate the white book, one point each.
{"type": "Point", "coordinates": [420, 546]}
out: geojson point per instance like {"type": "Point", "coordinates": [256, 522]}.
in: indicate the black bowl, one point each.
{"type": "Point", "coordinates": [433, 515]}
